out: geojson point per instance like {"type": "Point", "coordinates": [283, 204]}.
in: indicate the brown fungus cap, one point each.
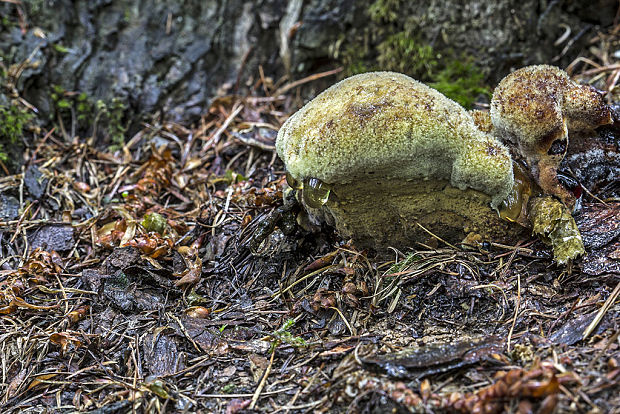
{"type": "Point", "coordinates": [535, 104]}
{"type": "Point", "coordinates": [536, 108]}
{"type": "Point", "coordinates": [386, 125]}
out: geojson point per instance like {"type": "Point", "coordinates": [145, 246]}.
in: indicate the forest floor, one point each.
{"type": "Point", "coordinates": [150, 278]}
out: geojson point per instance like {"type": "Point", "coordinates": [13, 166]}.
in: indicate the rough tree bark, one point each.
{"type": "Point", "coordinates": [175, 56]}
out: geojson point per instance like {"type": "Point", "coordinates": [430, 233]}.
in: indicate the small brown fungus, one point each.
{"type": "Point", "coordinates": [536, 108]}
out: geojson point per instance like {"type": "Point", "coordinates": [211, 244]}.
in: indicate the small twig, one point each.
{"type": "Point", "coordinates": [600, 69]}
{"type": "Point", "coordinates": [601, 313]}
{"type": "Point", "coordinates": [36, 150]}
{"type": "Point", "coordinates": [610, 341]}
{"type": "Point", "coordinates": [570, 43]}
{"type": "Point", "coordinates": [254, 142]}
{"type": "Point", "coordinates": [509, 262]}
{"type": "Point", "coordinates": [611, 83]}
{"type": "Point", "coordinates": [565, 35]}
{"type": "Point", "coordinates": [569, 68]}
{"type": "Point", "coordinates": [265, 394]}
{"type": "Point", "coordinates": [316, 272]}
{"type": "Point", "coordinates": [6, 170]}
{"type": "Point", "coordinates": [21, 219]}
{"type": "Point", "coordinates": [263, 381]}
{"type": "Point", "coordinates": [593, 196]}
{"type": "Point", "coordinates": [291, 403]}
{"type": "Point", "coordinates": [520, 248]}
{"type": "Point", "coordinates": [514, 319]}
{"type": "Point", "coordinates": [185, 333]}
{"type": "Point", "coordinates": [343, 319]}
{"type": "Point", "coordinates": [437, 237]}
{"type": "Point", "coordinates": [562, 316]}
{"type": "Point", "coordinates": [216, 136]}
{"type": "Point", "coordinates": [289, 86]}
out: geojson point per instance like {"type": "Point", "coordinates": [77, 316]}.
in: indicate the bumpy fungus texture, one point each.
{"type": "Point", "coordinates": [383, 157]}
{"type": "Point", "coordinates": [482, 120]}
{"type": "Point", "coordinates": [385, 124]}
{"type": "Point", "coordinates": [553, 223]}
{"type": "Point", "coordinates": [536, 108]}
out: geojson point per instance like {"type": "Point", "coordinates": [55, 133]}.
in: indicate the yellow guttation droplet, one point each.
{"type": "Point", "coordinates": [522, 190]}
{"type": "Point", "coordinates": [292, 182]}
{"type": "Point", "coordinates": [511, 206]}
{"type": "Point", "coordinates": [315, 193]}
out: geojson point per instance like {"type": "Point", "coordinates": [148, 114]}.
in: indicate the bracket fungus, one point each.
{"type": "Point", "coordinates": [536, 108]}
{"type": "Point", "coordinates": [386, 160]}
{"type": "Point", "coordinates": [389, 161]}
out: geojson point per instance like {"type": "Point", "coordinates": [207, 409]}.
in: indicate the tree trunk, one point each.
{"type": "Point", "coordinates": [175, 56]}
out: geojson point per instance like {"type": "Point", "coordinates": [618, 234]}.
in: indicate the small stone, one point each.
{"type": "Point", "coordinates": [9, 208]}
{"type": "Point", "coordinates": [35, 182]}
{"type": "Point", "coordinates": [52, 237]}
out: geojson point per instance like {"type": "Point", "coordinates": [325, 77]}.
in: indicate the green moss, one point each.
{"type": "Point", "coordinates": [392, 42]}
{"type": "Point", "coordinates": [410, 259]}
{"type": "Point", "coordinates": [354, 60]}
{"type": "Point", "coordinates": [283, 335]}
{"type": "Point", "coordinates": [461, 81]}
{"type": "Point", "coordinates": [384, 11]}
{"type": "Point", "coordinates": [5, 22]}
{"type": "Point", "coordinates": [456, 77]}
{"type": "Point", "coordinates": [35, 7]}
{"type": "Point", "coordinates": [401, 52]}
{"type": "Point", "coordinates": [12, 122]}
{"type": "Point", "coordinates": [154, 222]}
{"type": "Point", "coordinates": [84, 108]}
{"type": "Point", "coordinates": [60, 48]}
{"type": "Point", "coordinates": [72, 106]}
{"type": "Point", "coordinates": [106, 118]}
{"type": "Point", "coordinates": [228, 388]}
{"type": "Point", "coordinates": [110, 115]}
{"type": "Point", "coordinates": [116, 128]}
